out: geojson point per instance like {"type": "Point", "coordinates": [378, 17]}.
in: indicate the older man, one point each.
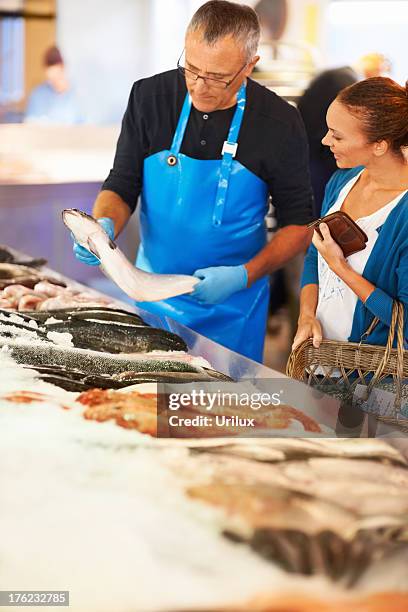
{"type": "Point", "coordinates": [205, 145]}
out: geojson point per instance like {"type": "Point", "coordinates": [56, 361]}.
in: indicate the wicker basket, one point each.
{"type": "Point", "coordinates": [356, 363]}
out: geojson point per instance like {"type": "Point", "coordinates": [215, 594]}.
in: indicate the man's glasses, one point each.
{"type": "Point", "coordinates": [190, 75]}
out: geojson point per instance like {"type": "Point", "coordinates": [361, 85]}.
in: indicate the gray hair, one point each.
{"type": "Point", "coordinates": [219, 18]}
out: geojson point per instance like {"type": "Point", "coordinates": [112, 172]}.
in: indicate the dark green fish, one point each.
{"type": "Point", "coordinates": [110, 337]}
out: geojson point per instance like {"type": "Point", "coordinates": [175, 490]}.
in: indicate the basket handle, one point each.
{"type": "Point", "coordinates": [396, 328]}
{"type": "Point", "coordinates": [371, 327]}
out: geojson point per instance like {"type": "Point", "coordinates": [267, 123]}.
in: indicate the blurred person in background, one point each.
{"type": "Point", "coordinates": [53, 101]}
{"type": "Point", "coordinates": [313, 107]}
{"type": "Point", "coordinates": [205, 145]}
{"type": "Point", "coordinates": [368, 137]}
{"type": "Point", "coordinates": [373, 65]}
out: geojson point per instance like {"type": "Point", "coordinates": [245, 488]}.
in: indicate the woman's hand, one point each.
{"type": "Point", "coordinates": [328, 248]}
{"type": "Point", "coordinates": [308, 327]}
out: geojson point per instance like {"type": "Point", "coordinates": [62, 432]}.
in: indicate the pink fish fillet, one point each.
{"type": "Point", "coordinates": [30, 301]}
{"type": "Point", "coordinates": [49, 289]}
{"type": "Point", "coordinates": [15, 292]}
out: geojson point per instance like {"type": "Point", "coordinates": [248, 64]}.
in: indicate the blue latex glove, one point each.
{"type": "Point", "coordinates": [86, 256]}
{"type": "Point", "coordinates": [219, 283]}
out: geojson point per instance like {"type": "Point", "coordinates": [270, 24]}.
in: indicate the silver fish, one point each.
{"type": "Point", "coordinates": [137, 284]}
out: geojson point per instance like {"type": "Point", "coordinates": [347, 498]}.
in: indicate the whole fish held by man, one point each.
{"type": "Point", "coordinates": [137, 284]}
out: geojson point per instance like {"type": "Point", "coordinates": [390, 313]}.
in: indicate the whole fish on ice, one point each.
{"type": "Point", "coordinates": [137, 284]}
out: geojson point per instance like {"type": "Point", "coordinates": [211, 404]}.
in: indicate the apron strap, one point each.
{"type": "Point", "coordinates": [228, 153]}
{"type": "Point", "coordinates": [181, 126]}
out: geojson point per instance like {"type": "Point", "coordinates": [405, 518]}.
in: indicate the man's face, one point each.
{"type": "Point", "coordinates": [219, 61]}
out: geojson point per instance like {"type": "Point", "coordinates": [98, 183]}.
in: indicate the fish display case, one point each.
{"type": "Point", "coordinates": [310, 512]}
{"type": "Point", "coordinates": [171, 338]}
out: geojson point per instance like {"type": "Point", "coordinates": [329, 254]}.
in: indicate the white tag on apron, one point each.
{"type": "Point", "coordinates": [229, 147]}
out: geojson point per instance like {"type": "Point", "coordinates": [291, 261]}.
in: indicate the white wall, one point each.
{"type": "Point", "coordinates": [109, 44]}
{"type": "Point", "coordinates": [355, 28]}
{"type": "Point", "coordinates": [168, 22]}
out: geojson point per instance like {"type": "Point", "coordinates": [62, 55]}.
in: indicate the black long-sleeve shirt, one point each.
{"type": "Point", "coordinates": [272, 142]}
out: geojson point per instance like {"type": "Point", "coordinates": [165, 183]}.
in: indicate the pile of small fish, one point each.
{"type": "Point", "coordinates": [313, 506]}
{"type": "Point", "coordinates": [23, 287]}
{"type": "Point", "coordinates": [24, 290]}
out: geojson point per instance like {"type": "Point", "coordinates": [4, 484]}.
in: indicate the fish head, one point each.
{"type": "Point", "coordinates": [83, 227]}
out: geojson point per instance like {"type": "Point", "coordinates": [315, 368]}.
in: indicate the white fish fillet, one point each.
{"type": "Point", "coordinates": [137, 284]}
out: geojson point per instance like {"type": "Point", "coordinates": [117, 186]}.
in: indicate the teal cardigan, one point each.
{"type": "Point", "coordinates": [386, 268]}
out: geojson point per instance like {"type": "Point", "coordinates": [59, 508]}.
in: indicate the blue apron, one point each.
{"type": "Point", "coordinates": [201, 213]}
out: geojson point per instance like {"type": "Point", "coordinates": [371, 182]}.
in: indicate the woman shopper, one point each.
{"type": "Point", "coordinates": [368, 135]}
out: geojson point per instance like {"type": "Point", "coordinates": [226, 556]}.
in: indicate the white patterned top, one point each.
{"type": "Point", "coordinates": [337, 301]}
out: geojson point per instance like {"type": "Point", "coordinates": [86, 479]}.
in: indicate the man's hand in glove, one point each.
{"type": "Point", "coordinates": [219, 283]}
{"type": "Point", "coordinates": [86, 256]}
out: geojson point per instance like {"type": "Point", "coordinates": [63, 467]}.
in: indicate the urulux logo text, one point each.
{"type": "Point", "coordinates": [205, 421]}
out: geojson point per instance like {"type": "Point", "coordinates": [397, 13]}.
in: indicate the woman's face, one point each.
{"type": "Point", "coordinates": [345, 138]}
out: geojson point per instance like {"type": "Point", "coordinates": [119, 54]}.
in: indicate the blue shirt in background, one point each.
{"type": "Point", "coordinates": [45, 105]}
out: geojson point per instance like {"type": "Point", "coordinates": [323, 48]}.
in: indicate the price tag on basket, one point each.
{"type": "Point", "coordinates": [379, 402]}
